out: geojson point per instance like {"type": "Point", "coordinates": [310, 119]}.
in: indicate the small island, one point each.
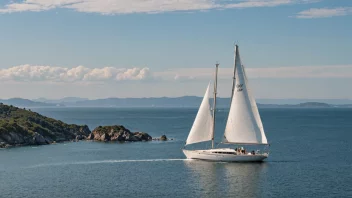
{"type": "Point", "coordinates": [117, 133]}
{"type": "Point", "coordinates": [21, 127]}
{"type": "Point", "coordinates": [314, 105]}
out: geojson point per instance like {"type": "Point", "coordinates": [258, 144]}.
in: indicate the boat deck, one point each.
{"type": "Point", "coordinates": [224, 155]}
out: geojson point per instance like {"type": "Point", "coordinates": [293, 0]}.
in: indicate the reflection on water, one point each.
{"type": "Point", "coordinates": [214, 179]}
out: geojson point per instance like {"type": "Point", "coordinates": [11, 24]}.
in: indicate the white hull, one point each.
{"type": "Point", "coordinates": [224, 155]}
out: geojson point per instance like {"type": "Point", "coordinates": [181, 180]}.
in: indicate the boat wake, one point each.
{"type": "Point", "coordinates": [105, 162]}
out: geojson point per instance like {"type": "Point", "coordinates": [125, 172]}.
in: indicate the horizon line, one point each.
{"type": "Point", "coordinates": [168, 97]}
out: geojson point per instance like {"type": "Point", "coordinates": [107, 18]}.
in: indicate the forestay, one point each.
{"type": "Point", "coordinates": [202, 127]}
{"type": "Point", "coordinates": [243, 124]}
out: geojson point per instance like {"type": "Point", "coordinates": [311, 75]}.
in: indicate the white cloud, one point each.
{"type": "Point", "coordinates": [76, 74]}
{"type": "Point", "coordinates": [133, 74]}
{"type": "Point", "coordinates": [29, 73]}
{"type": "Point", "coordinates": [324, 12]}
{"type": "Point", "coordinates": [140, 6]}
{"type": "Point", "coordinates": [266, 3]}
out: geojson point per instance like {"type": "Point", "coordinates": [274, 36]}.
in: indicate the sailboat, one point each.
{"type": "Point", "coordinates": [243, 128]}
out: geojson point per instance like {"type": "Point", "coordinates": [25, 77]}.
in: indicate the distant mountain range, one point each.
{"type": "Point", "coordinates": [20, 102]}
{"type": "Point", "coordinates": [61, 101]}
{"type": "Point", "coordinates": [185, 101]}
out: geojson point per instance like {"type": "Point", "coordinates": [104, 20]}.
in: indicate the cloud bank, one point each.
{"type": "Point", "coordinates": [140, 6]}
{"type": "Point", "coordinates": [25, 73]}
{"type": "Point", "coordinates": [324, 12]}
{"type": "Point", "coordinates": [79, 74]}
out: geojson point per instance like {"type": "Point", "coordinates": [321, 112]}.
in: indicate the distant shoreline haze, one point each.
{"type": "Point", "coordinates": [185, 101]}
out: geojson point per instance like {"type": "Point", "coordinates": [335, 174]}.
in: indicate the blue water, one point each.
{"type": "Point", "coordinates": [310, 156]}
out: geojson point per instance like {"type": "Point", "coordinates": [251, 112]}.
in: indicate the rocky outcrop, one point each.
{"type": "Point", "coordinates": [142, 136]}
{"type": "Point", "coordinates": [48, 140]}
{"type": "Point", "coordinates": [39, 139]}
{"type": "Point", "coordinates": [162, 138]}
{"type": "Point", "coordinates": [80, 137]}
{"type": "Point", "coordinates": [117, 133]}
{"type": "Point", "coordinates": [90, 136]}
{"type": "Point", "coordinates": [15, 139]}
{"type": "Point", "coordinates": [80, 131]}
{"type": "Point", "coordinates": [3, 145]}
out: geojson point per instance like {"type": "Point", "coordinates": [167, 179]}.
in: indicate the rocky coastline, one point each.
{"type": "Point", "coordinates": [21, 127]}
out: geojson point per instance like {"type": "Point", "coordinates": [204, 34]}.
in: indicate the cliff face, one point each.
{"type": "Point", "coordinates": [117, 133]}
{"type": "Point", "coordinates": [23, 127]}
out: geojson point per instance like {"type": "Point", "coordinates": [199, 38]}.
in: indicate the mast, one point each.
{"type": "Point", "coordinates": [214, 105]}
{"type": "Point", "coordinates": [234, 74]}
{"type": "Point", "coordinates": [236, 54]}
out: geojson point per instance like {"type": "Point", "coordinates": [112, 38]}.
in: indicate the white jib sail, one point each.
{"type": "Point", "coordinates": [243, 124]}
{"type": "Point", "coordinates": [203, 124]}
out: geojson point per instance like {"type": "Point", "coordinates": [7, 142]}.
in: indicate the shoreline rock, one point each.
{"type": "Point", "coordinates": [117, 133]}
{"type": "Point", "coordinates": [162, 138]}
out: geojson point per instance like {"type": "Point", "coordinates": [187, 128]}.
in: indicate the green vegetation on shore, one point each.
{"type": "Point", "coordinates": [23, 127]}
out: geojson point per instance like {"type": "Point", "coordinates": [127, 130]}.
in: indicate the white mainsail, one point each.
{"type": "Point", "coordinates": [243, 124]}
{"type": "Point", "coordinates": [202, 128]}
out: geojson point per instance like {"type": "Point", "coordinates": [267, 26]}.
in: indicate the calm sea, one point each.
{"type": "Point", "coordinates": [311, 156]}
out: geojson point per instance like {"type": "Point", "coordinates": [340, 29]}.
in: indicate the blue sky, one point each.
{"type": "Point", "coordinates": [137, 48]}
